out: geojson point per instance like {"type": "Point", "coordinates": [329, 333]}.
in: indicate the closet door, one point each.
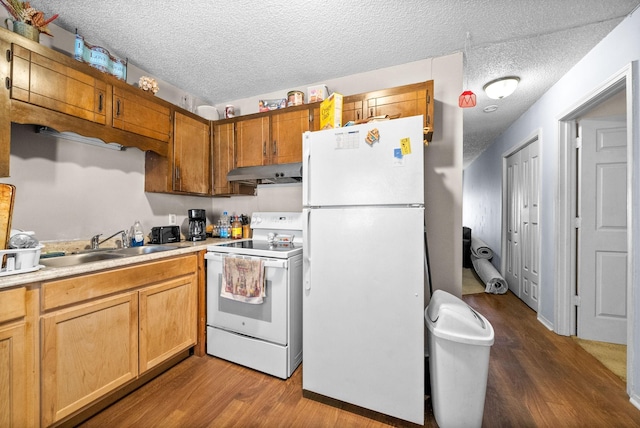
{"type": "Point", "coordinates": [522, 227]}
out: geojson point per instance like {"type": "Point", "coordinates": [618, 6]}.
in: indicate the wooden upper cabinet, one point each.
{"type": "Point", "coordinates": [223, 157]}
{"type": "Point", "coordinates": [286, 136]}
{"type": "Point", "coordinates": [403, 101]}
{"type": "Point", "coordinates": [252, 141]}
{"type": "Point", "coordinates": [135, 111]}
{"type": "Point", "coordinates": [191, 155]}
{"type": "Point", "coordinates": [352, 109]}
{"type": "Point", "coordinates": [44, 82]}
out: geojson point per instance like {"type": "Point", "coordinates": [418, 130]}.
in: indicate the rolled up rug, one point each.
{"type": "Point", "coordinates": [491, 278]}
{"type": "Point", "coordinates": [480, 249]}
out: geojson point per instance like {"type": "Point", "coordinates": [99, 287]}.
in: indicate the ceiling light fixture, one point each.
{"type": "Point", "coordinates": [502, 87]}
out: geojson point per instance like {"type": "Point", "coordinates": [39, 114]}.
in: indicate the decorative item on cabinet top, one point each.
{"type": "Point", "coordinates": [27, 21]}
{"type": "Point", "coordinates": [148, 84]}
{"type": "Point", "coordinates": [99, 58]}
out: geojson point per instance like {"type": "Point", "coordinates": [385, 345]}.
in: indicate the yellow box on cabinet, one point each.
{"type": "Point", "coordinates": [331, 112]}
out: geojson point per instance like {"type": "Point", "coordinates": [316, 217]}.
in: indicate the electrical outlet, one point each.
{"type": "Point", "coordinates": [172, 219]}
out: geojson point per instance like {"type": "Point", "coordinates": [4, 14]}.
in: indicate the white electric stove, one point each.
{"type": "Point", "coordinates": [265, 336]}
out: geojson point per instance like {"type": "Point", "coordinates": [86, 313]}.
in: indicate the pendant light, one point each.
{"type": "Point", "coordinates": [467, 98]}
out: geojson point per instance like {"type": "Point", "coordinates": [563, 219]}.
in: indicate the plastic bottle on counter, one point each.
{"type": "Point", "coordinates": [224, 223]}
{"type": "Point", "coordinates": [137, 235]}
{"type": "Point", "coordinates": [236, 228]}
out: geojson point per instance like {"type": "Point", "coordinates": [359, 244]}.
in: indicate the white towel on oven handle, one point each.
{"type": "Point", "coordinates": [243, 279]}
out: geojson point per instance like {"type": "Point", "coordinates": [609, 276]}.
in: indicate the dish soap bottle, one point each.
{"type": "Point", "coordinates": [137, 235]}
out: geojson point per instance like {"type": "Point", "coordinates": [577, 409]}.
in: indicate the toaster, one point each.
{"type": "Point", "coordinates": [165, 234]}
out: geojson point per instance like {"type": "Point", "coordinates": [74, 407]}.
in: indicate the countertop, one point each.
{"type": "Point", "coordinates": [49, 273]}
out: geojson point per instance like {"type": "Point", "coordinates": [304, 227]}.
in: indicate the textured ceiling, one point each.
{"type": "Point", "coordinates": [231, 49]}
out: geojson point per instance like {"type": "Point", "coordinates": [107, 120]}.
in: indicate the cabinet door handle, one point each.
{"type": "Point", "coordinates": [117, 108]}
{"type": "Point", "coordinates": [9, 55]}
{"type": "Point", "coordinates": [358, 115]}
{"type": "Point", "coordinates": [100, 100]}
{"type": "Point", "coordinates": [371, 112]}
{"type": "Point", "coordinates": [274, 147]}
{"type": "Point", "coordinates": [264, 148]}
{"type": "Point", "coordinates": [177, 174]}
{"type": "Point", "coordinates": [7, 82]}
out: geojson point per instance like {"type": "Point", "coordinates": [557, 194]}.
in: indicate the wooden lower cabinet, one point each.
{"type": "Point", "coordinates": [88, 351]}
{"type": "Point", "coordinates": [168, 321]}
{"type": "Point", "coordinates": [102, 331]}
{"type": "Point", "coordinates": [13, 376]}
{"type": "Point", "coordinates": [18, 356]}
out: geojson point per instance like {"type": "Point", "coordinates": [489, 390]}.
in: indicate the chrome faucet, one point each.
{"type": "Point", "coordinates": [95, 240]}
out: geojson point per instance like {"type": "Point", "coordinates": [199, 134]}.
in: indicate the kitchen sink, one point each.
{"type": "Point", "coordinates": [78, 259]}
{"type": "Point", "coordinates": [146, 249]}
{"type": "Point", "coordinates": [102, 255]}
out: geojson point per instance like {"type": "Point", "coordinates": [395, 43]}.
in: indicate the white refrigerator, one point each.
{"type": "Point", "coordinates": [364, 266]}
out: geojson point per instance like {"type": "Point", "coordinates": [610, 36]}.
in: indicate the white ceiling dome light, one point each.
{"type": "Point", "coordinates": [502, 87]}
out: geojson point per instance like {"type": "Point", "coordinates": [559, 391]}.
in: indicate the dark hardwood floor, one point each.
{"type": "Point", "coordinates": [536, 379]}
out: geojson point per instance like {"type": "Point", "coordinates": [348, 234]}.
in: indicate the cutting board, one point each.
{"type": "Point", "coordinates": [7, 196]}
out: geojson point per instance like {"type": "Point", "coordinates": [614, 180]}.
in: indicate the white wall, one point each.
{"type": "Point", "coordinates": [482, 179]}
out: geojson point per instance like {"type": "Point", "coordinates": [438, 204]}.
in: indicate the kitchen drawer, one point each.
{"type": "Point", "coordinates": [86, 287]}
{"type": "Point", "coordinates": [12, 304]}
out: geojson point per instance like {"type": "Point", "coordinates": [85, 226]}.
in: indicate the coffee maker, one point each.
{"type": "Point", "coordinates": [197, 225]}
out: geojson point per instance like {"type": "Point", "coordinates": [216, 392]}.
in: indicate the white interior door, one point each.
{"type": "Point", "coordinates": [522, 225]}
{"type": "Point", "coordinates": [512, 224]}
{"type": "Point", "coordinates": [602, 235]}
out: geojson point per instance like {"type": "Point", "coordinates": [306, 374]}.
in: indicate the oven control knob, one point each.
{"type": "Point", "coordinates": [257, 220]}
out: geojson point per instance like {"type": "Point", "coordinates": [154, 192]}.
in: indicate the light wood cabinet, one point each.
{"type": "Point", "coordinates": [191, 155]}
{"type": "Point", "coordinates": [138, 112]}
{"type": "Point", "coordinates": [403, 101]}
{"type": "Point", "coordinates": [88, 351]}
{"type": "Point", "coordinates": [275, 138]}
{"type": "Point", "coordinates": [224, 154]}
{"type": "Point", "coordinates": [45, 82]}
{"type": "Point", "coordinates": [5, 107]}
{"type": "Point", "coordinates": [187, 169]}
{"type": "Point", "coordinates": [352, 109]}
{"type": "Point", "coordinates": [168, 320]}
{"type": "Point", "coordinates": [47, 88]}
{"type": "Point", "coordinates": [252, 141]}
{"type": "Point", "coordinates": [103, 330]}
{"type": "Point", "coordinates": [286, 136]}
{"type": "Point", "coordinates": [14, 378]}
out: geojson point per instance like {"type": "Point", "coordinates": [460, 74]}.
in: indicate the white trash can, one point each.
{"type": "Point", "coordinates": [459, 341]}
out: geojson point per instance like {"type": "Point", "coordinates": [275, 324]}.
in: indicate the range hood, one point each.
{"type": "Point", "coordinates": [267, 174]}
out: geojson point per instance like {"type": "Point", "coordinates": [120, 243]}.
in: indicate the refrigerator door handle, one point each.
{"type": "Point", "coordinates": [306, 253]}
{"type": "Point", "coordinates": [306, 162]}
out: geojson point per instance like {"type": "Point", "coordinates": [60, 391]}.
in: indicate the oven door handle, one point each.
{"type": "Point", "coordinates": [267, 263]}
{"type": "Point", "coordinates": [278, 264]}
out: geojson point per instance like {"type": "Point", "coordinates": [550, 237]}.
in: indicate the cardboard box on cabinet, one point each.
{"type": "Point", "coordinates": [331, 112]}
{"type": "Point", "coordinates": [317, 93]}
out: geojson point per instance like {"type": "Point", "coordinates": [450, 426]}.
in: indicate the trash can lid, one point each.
{"type": "Point", "coordinates": [451, 318]}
